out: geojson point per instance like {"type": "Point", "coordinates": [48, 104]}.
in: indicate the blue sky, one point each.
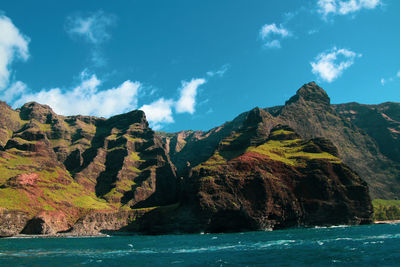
{"type": "Point", "coordinates": [194, 64]}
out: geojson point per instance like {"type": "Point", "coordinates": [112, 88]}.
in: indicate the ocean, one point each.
{"type": "Point", "coordinates": [368, 245]}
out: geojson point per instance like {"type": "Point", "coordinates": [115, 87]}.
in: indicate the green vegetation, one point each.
{"type": "Point", "coordinates": [14, 199]}
{"type": "Point", "coordinates": [135, 156]}
{"type": "Point", "coordinates": [213, 161]}
{"type": "Point", "coordinates": [280, 132]}
{"type": "Point", "coordinates": [134, 169]}
{"type": "Point", "coordinates": [132, 139]}
{"type": "Point", "coordinates": [112, 137]}
{"type": "Point", "coordinates": [13, 164]}
{"type": "Point", "coordinates": [386, 209]}
{"type": "Point", "coordinates": [23, 141]}
{"type": "Point", "coordinates": [42, 126]}
{"type": "Point", "coordinates": [53, 187]}
{"type": "Point", "coordinates": [207, 178]}
{"type": "Point", "coordinates": [230, 139]}
{"type": "Point", "coordinates": [290, 152]}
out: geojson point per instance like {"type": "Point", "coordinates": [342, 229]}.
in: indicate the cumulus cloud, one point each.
{"type": "Point", "coordinates": [86, 98]}
{"type": "Point", "coordinates": [14, 91]}
{"type": "Point", "coordinates": [159, 112]}
{"type": "Point", "coordinates": [13, 45]}
{"type": "Point", "coordinates": [272, 34]}
{"type": "Point", "coordinates": [329, 65]}
{"type": "Point", "coordinates": [188, 92]}
{"type": "Point", "coordinates": [340, 7]}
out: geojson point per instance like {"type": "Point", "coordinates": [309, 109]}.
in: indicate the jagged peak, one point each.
{"type": "Point", "coordinates": [310, 92]}
{"type": "Point", "coordinates": [255, 116]}
{"type": "Point", "coordinates": [34, 110]}
{"type": "Point", "coordinates": [129, 118]}
{"type": "Point", "coordinates": [35, 105]}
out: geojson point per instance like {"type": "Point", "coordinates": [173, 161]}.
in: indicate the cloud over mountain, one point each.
{"type": "Point", "coordinates": [329, 65]}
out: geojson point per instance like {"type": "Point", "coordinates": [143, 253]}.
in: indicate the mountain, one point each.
{"type": "Point", "coordinates": [71, 167]}
{"type": "Point", "coordinates": [259, 181]}
{"type": "Point", "coordinates": [368, 143]}
{"type": "Point", "coordinates": [300, 164]}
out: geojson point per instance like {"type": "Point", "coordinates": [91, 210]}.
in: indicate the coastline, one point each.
{"type": "Point", "coordinates": [387, 222]}
{"type": "Point", "coordinates": [116, 233]}
{"type": "Point", "coordinates": [56, 236]}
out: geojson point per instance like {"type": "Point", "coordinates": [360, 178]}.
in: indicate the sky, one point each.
{"type": "Point", "coordinates": [195, 64]}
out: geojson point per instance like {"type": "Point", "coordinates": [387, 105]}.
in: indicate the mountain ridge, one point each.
{"type": "Point", "coordinates": [310, 113]}
{"type": "Point", "coordinates": [84, 174]}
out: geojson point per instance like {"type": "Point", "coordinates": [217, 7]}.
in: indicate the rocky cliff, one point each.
{"type": "Point", "coordinates": [269, 168]}
{"type": "Point", "coordinates": [366, 136]}
{"type": "Point", "coordinates": [70, 167]}
{"type": "Point", "coordinates": [257, 180]}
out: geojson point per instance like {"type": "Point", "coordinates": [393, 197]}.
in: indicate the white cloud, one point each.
{"type": "Point", "coordinates": [221, 72]}
{"type": "Point", "coordinates": [269, 29]}
{"type": "Point", "coordinates": [13, 45]}
{"type": "Point", "coordinates": [272, 34]}
{"type": "Point", "coordinates": [188, 92]}
{"type": "Point", "coordinates": [159, 112]}
{"type": "Point", "coordinates": [398, 74]}
{"type": "Point", "coordinates": [330, 65]}
{"type": "Point", "coordinates": [14, 91]}
{"type": "Point", "coordinates": [92, 28]}
{"type": "Point", "coordinates": [383, 81]}
{"type": "Point", "coordinates": [339, 7]}
{"type": "Point", "coordinates": [87, 99]}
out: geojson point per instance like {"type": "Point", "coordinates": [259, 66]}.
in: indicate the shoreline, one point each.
{"type": "Point", "coordinates": [387, 222]}
{"type": "Point", "coordinates": [69, 235]}
{"type": "Point", "coordinates": [56, 236]}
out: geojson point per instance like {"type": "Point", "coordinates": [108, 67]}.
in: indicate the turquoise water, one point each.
{"type": "Point", "coordinates": [373, 245]}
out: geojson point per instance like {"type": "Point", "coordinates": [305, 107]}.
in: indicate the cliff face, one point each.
{"type": "Point", "coordinates": [67, 167]}
{"type": "Point", "coordinates": [313, 116]}
{"type": "Point", "coordinates": [381, 122]}
{"type": "Point", "coordinates": [367, 141]}
{"type": "Point", "coordinates": [268, 168]}
{"type": "Point", "coordinates": [257, 181]}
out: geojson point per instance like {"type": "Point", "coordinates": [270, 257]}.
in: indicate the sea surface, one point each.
{"type": "Point", "coordinates": [370, 245]}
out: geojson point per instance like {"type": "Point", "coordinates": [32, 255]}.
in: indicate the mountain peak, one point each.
{"type": "Point", "coordinates": [34, 110]}
{"type": "Point", "coordinates": [310, 92]}
{"type": "Point", "coordinates": [127, 119]}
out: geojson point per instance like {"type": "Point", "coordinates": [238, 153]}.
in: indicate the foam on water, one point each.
{"type": "Point", "coordinates": [302, 247]}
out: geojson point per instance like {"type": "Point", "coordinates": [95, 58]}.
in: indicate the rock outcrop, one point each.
{"type": "Point", "coordinates": [12, 222]}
